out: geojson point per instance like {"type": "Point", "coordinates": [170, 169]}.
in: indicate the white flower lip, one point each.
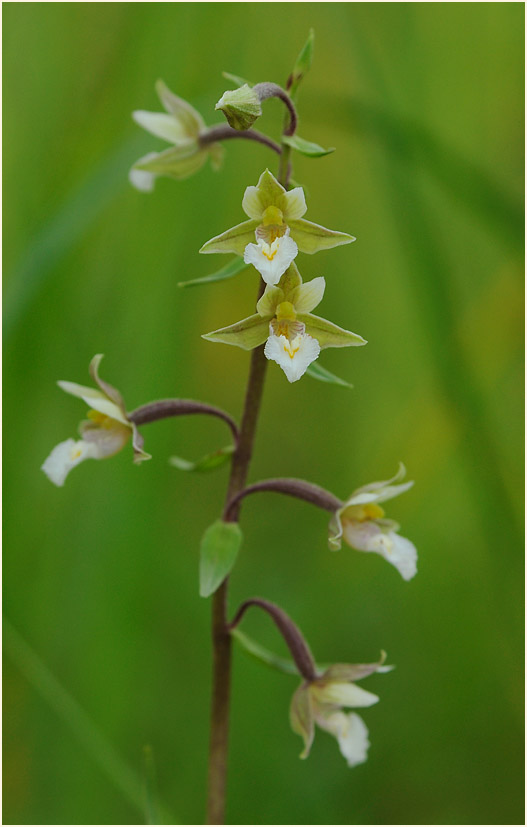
{"type": "Point", "coordinates": [294, 357]}
{"type": "Point", "coordinates": [271, 260]}
{"type": "Point", "coordinates": [64, 457]}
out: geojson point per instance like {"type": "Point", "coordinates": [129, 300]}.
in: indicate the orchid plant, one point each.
{"type": "Point", "coordinates": [282, 329]}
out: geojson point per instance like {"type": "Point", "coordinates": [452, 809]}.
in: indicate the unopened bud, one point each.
{"type": "Point", "coordinates": [240, 106]}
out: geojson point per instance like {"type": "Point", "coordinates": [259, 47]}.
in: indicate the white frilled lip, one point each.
{"type": "Point", "coordinates": [293, 357]}
{"type": "Point", "coordinates": [64, 457]}
{"type": "Point", "coordinates": [271, 260]}
{"type": "Point", "coordinates": [372, 536]}
{"type": "Point", "coordinates": [351, 733]}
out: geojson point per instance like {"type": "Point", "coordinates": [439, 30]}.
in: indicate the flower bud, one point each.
{"type": "Point", "coordinates": [240, 106]}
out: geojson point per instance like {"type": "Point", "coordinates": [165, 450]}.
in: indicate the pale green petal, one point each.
{"type": "Point", "coordinates": [216, 153]}
{"type": "Point", "coordinates": [335, 531]}
{"type": "Point", "coordinates": [178, 162]}
{"type": "Point", "coordinates": [270, 190]}
{"type": "Point", "coordinates": [161, 125]}
{"type": "Point", "coordinates": [234, 240]}
{"type": "Point", "coordinates": [294, 204]}
{"type": "Point", "coordinates": [312, 237]}
{"type": "Point", "coordinates": [342, 694]}
{"type": "Point", "coordinates": [139, 178]}
{"type": "Point", "coordinates": [112, 393]}
{"type": "Point", "coordinates": [251, 203]}
{"type": "Point", "coordinates": [329, 334]}
{"type": "Point", "coordinates": [94, 399]}
{"type": "Point", "coordinates": [306, 297]}
{"type": "Point", "coordinates": [270, 300]}
{"type": "Point", "coordinates": [190, 119]}
{"type": "Point", "coordinates": [382, 490]}
{"type": "Point", "coordinates": [247, 334]}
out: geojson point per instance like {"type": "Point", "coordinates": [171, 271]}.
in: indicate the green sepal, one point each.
{"type": "Point", "coordinates": [207, 463]}
{"type": "Point", "coordinates": [302, 64]}
{"type": "Point", "coordinates": [316, 371]}
{"type": "Point", "coordinates": [311, 238]}
{"type": "Point", "coordinates": [231, 269]}
{"type": "Point", "coordinates": [328, 334]}
{"type": "Point", "coordinates": [177, 162]}
{"type": "Point", "coordinates": [219, 548]}
{"type": "Point", "coordinates": [247, 334]}
{"type": "Point", "coordinates": [308, 148]}
{"type": "Point", "coordinates": [234, 240]}
{"type": "Point", "coordinates": [290, 280]}
{"type": "Point", "coordinates": [302, 718]}
{"type": "Point", "coordinates": [236, 79]}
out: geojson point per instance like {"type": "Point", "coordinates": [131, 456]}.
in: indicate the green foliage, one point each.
{"type": "Point", "coordinates": [316, 371]}
{"type": "Point", "coordinates": [210, 462]}
{"type": "Point", "coordinates": [219, 549]}
{"type": "Point", "coordinates": [308, 148]}
{"type": "Point", "coordinates": [231, 269]}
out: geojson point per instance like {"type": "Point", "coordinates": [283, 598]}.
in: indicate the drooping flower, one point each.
{"type": "Point", "coordinates": [362, 523]}
{"type": "Point", "coordinates": [272, 212]}
{"type": "Point", "coordinates": [322, 700]}
{"type": "Point", "coordinates": [103, 434]}
{"type": "Point", "coordinates": [181, 125]}
{"type": "Point", "coordinates": [284, 320]}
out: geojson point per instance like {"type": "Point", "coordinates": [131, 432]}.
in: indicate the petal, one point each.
{"type": "Point", "coordinates": [353, 741]}
{"type": "Point", "coordinates": [398, 551]}
{"type": "Point", "coordinates": [335, 531]}
{"type": "Point", "coordinates": [234, 240]}
{"type": "Point", "coordinates": [65, 456]}
{"type": "Point", "coordinates": [294, 204]}
{"type": "Point", "coordinates": [329, 334]}
{"type": "Point", "coordinates": [94, 399]}
{"type": "Point", "coordinates": [105, 441]}
{"type": "Point", "coordinates": [293, 357]}
{"type": "Point", "coordinates": [251, 203]}
{"type": "Point", "coordinates": [105, 387]}
{"type": "Point", "coordinates": [312, 237]}
{"type": "Point", "coordinates": [139, 178]}
{"type": "Point", "coordinates": [189, 118]}
{"type": "Point", "coordinates": [216, 154]}
{"type": "Point", "coordinates": [301, 718]}
{"type": "Point", "coordinates": [270, 300]}
{"type": "Point", "coordinates": [381, 491]}
{"type": "Point", "coordinates": [342, 694]}
{"type": "Point", "coordinates": [178, 162]}
{"type": "Point", "coordinates": [247, 334]}
{"type": "Point", "coordinates": [306, 296]}
{"type": "Point", "coordinates": [271, 261]}
{"type": "Point", "coordinates": [161, 125]}
{"type": "Point", "coordinates": [355, 671]}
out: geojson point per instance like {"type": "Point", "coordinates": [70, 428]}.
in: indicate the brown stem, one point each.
{"type": "Point", "coordinates": [221, 638]}
{"type": "Point", "coordinates": [272, 90]}
{"type": "Point", "coordinates": [179, 407]}
{"type": "Point", "coordinates": [290, 632]}
{"type": "Point", "coordinates": [223, 132]}
{"type": "Point", "coordinates": [301, 489]}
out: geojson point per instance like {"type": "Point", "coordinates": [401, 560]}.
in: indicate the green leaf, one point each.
{"type": "Point", "coordinates": [150, 787]}
{"type": "Point", "coordinates": [302, 64]}
{"type": "Point", "coordinates": [231, 269]}
{"type": "Point", "coordinates": [219, 548]}
{"type": "Point", "coordinates": [308, 148]}
{"type": "Point", "coordinates": [264, 655]}
{"type": "Point", "coordinates": [316, 371]}
{"type": "Point", "coordinates": [207, 463]}
{"type": "Point", "coordinates": [236, 79]}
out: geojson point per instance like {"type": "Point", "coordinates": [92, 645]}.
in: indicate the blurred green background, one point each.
{"type": "Point", "coordinates": [424, 103]}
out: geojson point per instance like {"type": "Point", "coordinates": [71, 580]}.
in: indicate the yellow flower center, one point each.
{"type": "Point", "coordinates": [271, 254]}
{"type": "Point", "coordinates": [76, 453]}
{"type": "Point", "coordinates": [100, 419]}
{"type": "Point", "coordinates": [272, 215]}
{"type": "Point", "coordinates": [290, 350]}
{"type": "Point", "coordinates": [362, 513]}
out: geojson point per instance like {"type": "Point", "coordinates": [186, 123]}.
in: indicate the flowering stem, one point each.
{"type": "Point", "coordinates": [301, 489]}
{"type": "Point", "coordinates": [223, 132]}
{"type": "Point", "coordinates": [179, 407]}
{"type": "Point", "coordinates": [272, 90]}
{"type": "Point", "coordinates": [289, 631]}
{"type": "Point", "coordinates": [221, 638]}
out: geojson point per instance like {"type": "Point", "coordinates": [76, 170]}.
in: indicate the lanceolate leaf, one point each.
{"type": "Point", "coordinates": [264, 655]}
{"type": "Point", "coordinates": [231, 269]}
{"type": "Point", "coordinates": [316, 371]}
{"type": "Point", "coordinates": [236, 79]}
{"type": "Point", "coordinates": [219, 548]}
{"type": "Point", "coordinates": [308, 148]}
{"type": "Point", "coordinates": [207, 463]}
